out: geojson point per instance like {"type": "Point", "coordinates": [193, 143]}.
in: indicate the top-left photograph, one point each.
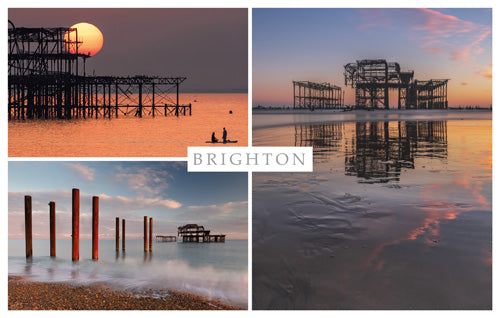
{"type": "Point", "coordinates": [126, 82]}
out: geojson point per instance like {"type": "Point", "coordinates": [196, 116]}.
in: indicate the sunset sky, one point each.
{"type": "Point", "coordinates": [130, 190]}
{"type": "Point", "coordinates": [208, 46]}
{"type": "Point", "coordinates": [315, 44]}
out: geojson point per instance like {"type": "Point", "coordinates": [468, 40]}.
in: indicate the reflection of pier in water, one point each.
{"type": "Point", "coordinates": [319, 136]}
{"type": "Point", "coordinates": [377, 152]}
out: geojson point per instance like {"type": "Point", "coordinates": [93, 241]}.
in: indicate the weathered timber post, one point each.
{"type": "Point", "coordinates": [52, 222]}
{"type": "Point", "coordinates": [117, 234]}
{"type": "Point", "coordinates": [95, 228]}
{"type": "Point", "coordinates": [123, 234]}
{"type": "Point", "coordinates": [75, 228]}
{"type": "Point", "coordinates": [150, 234]}
{"type": "Point", "coordinates": [28, 226]}
{"type": "Point", "coordinates": [145, 234]}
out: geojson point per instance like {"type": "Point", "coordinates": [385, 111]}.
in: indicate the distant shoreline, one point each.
{"type": "Point", "coordinates": [362, 111]}
{"type": "Point", "coordinates": [29, 295]}
{"type": "Point", "coordinates": [285, 117]}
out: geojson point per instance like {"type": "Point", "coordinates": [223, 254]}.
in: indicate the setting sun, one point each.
{"type": "Point", "coordinates": [90, 37]}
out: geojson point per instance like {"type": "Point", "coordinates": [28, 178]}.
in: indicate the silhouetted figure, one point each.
{"type": "Point", "coordinates": [224, 134]}
{"type": "Point", "coordinates": [230, 111]}
{"type": "Point", "coordinates": [213, 138]}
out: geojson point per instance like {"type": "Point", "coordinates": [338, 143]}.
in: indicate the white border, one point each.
{"type": "Point", "coordinates": [240, 4]}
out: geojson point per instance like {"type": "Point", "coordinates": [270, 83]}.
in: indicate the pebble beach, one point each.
{"type": "Point", "coordinates": [29, 295]}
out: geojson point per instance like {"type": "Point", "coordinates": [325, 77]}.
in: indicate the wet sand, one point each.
{"type": "Point", "coordinates": [396, 215]}
{"type": "Point", "coordinates": [28, 295]}
{"type": "Point", "coordinates": [264, 119]}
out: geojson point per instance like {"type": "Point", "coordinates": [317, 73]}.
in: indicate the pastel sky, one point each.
{"type": "Point", "coordinates": [208, 46]}
{"type": "Point", "coordinates": [164, 191]}
{"type": "Point", "coordinates": [315, 44]}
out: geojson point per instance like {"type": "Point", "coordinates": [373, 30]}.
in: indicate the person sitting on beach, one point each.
{"type": "Point", "coordinates": [224, 135]}
{"type": "Point", "coordinates": [213, 137]}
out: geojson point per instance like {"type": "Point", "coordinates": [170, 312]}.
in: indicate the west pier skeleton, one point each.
{"type": "Point", "coordinates": [197, 233]}
{"type": "Point", "coordinates": [46, 81]}
{"type": "Point", "coordinates": [373, 79]}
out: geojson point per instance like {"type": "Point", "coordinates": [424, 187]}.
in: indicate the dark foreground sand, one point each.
{"type": "Point", "coordinates": [27, 295]}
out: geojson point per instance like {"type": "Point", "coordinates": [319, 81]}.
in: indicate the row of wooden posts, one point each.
{"type": "Point", "coordinates": [75, 228]}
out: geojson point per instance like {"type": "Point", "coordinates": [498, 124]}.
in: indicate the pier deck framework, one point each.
{"type": "Point", "coordinates": [373, 79]}
{"type": "Point", "coordinates": [311, 95]}
{"type": "Point", "coordinates": [46, 81]}
{"type": "Point", "coordinates": [197, 233]}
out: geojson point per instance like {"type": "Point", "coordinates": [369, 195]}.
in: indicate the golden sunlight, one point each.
{"type": "Point", "coordinates": [89, 37]}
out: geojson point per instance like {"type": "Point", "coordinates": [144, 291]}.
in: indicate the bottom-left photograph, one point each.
{"type": "Point", "coordinates": [126, 235]}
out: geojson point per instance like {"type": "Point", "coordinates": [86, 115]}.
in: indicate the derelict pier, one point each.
{"type": "Point", "coordinates": [197, 233]}
{"type": "Point", "coordinates": [46, 81]}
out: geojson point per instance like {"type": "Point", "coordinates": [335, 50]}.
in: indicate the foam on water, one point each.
{"type": "Point", "coordinates": [215, 271]}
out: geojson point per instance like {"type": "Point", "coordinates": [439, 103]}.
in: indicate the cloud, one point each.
{"type": "Point", "coordinates": [82, 171]}
{"type": "Point", "coordinates": [110, 207]}
{"type": "Point", "coordinates": [437, 33]}
{"type": "Point", "coordinates": [486, 72]}
{"type": "Point", "coordinates": [223, 208]}
{"type": "Point", "coordinates": [148, 181]}
{"type": "Point", "coordinates": [464, 83]}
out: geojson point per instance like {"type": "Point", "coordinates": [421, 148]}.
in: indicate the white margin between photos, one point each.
{"type": "Point", "coordinates": [233, 4]}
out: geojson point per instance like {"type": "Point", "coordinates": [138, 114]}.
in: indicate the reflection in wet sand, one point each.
{"type": "Point", "coordinates": [378, 151]}
{"type": "Point", "coordinates": [396, 215]}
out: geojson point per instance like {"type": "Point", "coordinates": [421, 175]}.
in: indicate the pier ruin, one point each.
{"type": "Point", "coordinates": [373, 80]}
{"type": "Point", "coordinates": [46, 81]}
{"type": "Point", "coordinates": [197, 233]}
{"type": "Point", "coordinates": [75, 228]}
{"type": "Point", "coordinates": [310, 95]}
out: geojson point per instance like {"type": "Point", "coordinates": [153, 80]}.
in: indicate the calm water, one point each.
{"type": "Point", "coordinates": [396, 215]}
{"type": "Point", "coordinates": [127, 136]}
{"type": "Point", "coordinates": [214, 270]}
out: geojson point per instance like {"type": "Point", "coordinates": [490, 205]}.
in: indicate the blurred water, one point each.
{"type": "Point", "coordinates": [396, 215]}
{"type": "Point", "coordinates": [214, 270]}
{"type": "Point", "coordinates": [128, 136]}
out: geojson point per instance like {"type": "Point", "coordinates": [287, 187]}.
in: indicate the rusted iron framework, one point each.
{"type": "Point", "coordinates": [310, 95]}
{"type": "Point", "coordinates": [431, 94]}
{"type": "Point", "coordinates": [373, 79]}
{"type": "Point", "coordinates": [46, 81]}
{"type": "Point", "coordinates": [197, 233]}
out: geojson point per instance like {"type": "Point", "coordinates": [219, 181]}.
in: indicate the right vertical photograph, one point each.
{"type": "Point", "coordinates": [397, 106]}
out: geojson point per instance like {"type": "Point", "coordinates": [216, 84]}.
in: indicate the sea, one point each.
{"type": "Point", "coordinates": [129, 136]}
{"type": "Point", "coordinates": [217, 271]}
{"type": "Point", "coordinates": [397, 213]}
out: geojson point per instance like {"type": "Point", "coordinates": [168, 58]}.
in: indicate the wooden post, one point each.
{"type": "Point", "coordinates": [95, 228]}
{"type": "Point", "coordinates": [75, 228]}
{"type": "Point", "coordinates": [123, 234]}
{"type": "Point", "coordinates": [145, 234]}
{"type": "Point", "coordinates": [117, 234]}
{"type": "Point", "coordinates": [52, 221]}
{"type": "Point", "coordinates": [150, 234]}
{"type": "Point", "coordinates": [28, 226]}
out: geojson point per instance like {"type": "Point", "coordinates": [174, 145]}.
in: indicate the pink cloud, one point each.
{"type": "Point", "coordinates": [486, 72]}
{"type": "Point", "coordinates": [436, 32]}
